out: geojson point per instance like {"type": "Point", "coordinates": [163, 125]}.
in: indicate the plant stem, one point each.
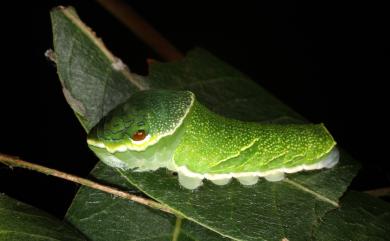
{"type": "Point", "coordinates": [141, 28]}
{"type": "Point", "coordinates": [380, 192]}
{"type": "Point", "coordinates": [16, 162]}
{"type": "Point", "coordinates": [177, 230]}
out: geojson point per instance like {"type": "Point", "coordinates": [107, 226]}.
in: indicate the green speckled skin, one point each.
{"type": "Point", "coordinates": [183, 133]}
{"type": "Point", "coordinates": [214, 144]}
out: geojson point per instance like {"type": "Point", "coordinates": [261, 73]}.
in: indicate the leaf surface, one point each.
{"type": "Point", "coordinates": [360, 217]}
{"type": "Point", "coordinates": [101, 216]}
{"type": "Point", "coordinates": [94, 81]}
{"type": "Point", "coordinates": [19, 221]}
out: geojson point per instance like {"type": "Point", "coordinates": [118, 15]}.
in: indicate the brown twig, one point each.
{"type": "Point", "coordinates": [129, 17]}
{"type": "Point", "coordinates": [16, 162]}
{"type": "Point", "coordinates": [380, 192]}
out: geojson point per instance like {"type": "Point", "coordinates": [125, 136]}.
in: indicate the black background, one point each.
{"type": "Point", "coordinates": [328, 61]}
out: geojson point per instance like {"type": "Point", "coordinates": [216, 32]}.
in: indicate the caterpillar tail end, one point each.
{"type": "Point", "coordinates": [331, 159]}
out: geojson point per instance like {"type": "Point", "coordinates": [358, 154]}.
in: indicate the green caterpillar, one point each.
{"type": "Point", "coordinates": [171, 129]}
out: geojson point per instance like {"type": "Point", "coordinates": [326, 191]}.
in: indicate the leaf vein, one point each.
{"type": "Point", "coordinates": [317, 195]}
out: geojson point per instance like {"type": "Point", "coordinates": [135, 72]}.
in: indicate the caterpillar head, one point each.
{"type": "Point", "coordinates": [140, 122]}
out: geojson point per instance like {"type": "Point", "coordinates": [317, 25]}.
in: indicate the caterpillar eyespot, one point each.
{"type": "Point", "coordinates": [139, 135]}
{"type": "Point", "coordinates": [185, 137]}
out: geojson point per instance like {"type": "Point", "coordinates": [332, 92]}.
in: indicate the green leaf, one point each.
{"type": "Point", "coordinates": [19, 221]}
{"type": "Point", "coordinates": [93, 80]}
{"type": "Point", "coordinates": [221, 88]}
{"type": "Point", "coordinates": [101, 216]}
{"type": "Point", "coordinates": [266, 211]}
{"type": "Point", "coordinates": [360, 217]}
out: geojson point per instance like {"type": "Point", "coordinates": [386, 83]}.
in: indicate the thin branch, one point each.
{"type": "Point", "coordinates": [141, 28]}
{"type": "Point", "coordinates": [16, 162]}
{"type": "Point", "coordinates": [380, 192]}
